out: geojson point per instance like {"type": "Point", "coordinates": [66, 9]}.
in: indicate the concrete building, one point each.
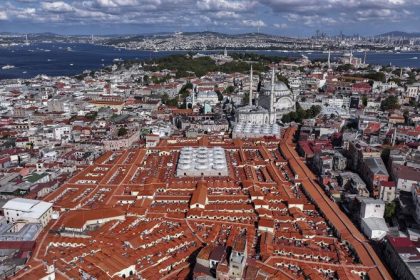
{"type": "Point", "coordinates": [62, 132]}
{"type": "Point", "coordinates": [237, 260]}
{"type": "Point", "coordinates": [354, 184]}
{"type": "Point", "coordinates": [122, 142]}
{"type": "Point", "coordinates": [416, 200]}
{"type": "Point", "coordinates": [373, 172]}
{"type": "Point", "coordinates": [403, 257]}
{"type": "Point", "coordinates": [387, 191]}
{"type": "Point", "coordinates": [374, 228]}
{"type": "Point", "coordinates": [372, 222]}
{"type": "Point", "coordinates": [413, 91]}
{"type": "Point", "coordinates": [372, 208]}
{"type": "Point", "coordinates": [28, 210]}
{"type": "Point", "coordinates": [405, 177]}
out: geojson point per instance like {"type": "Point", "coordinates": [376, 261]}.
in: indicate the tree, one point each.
{"type": "Point", "coordinates": [364, 100]}
{"type": "Point", "coordinates": [344, 68]}
{"type": "Point", "coordinates": [301, 114]}
{"type": "Point", "coordinates": [172, 102]}
{"type": "Point", "coordinates": [92, 116]}
{"type": "Point", "coordinates": [390, 210]}
{"type": "Point", "coordinates": [314, 111]}
{"type": "Point", "coordinates": [406, 115]}
{"type": "Point", "coordinates": [219, 95]}
{"type": "Point", "coordinates": [164, 98]}
{"type": "Point", "coordinates": [122, 131]}
{"type": "Point", "coordinates": [283, 79]}
{"type": "Point", "coordinates": [390, 103]}
{"type": "Point", "coordinates": [375, 76]}
{"type": "Point", "coordinates": [385, 155]}
{"type": "Point", "coordinates": [229, 90]}
{"type": "Point", "coordinates": [245, 98]}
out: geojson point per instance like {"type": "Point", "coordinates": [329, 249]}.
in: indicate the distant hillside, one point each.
{"type": "Point", "coordinates": [400, 34]}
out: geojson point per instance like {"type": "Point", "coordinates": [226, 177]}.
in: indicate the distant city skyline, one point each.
{"type": "Point", "coordinates": [282, 17]}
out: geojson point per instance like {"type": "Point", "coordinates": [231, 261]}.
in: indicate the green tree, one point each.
{"type": "Point", "coordinates": [146, 79]}
{"type": "Point", "coordinates": [122, 131]}
{"type": "Point", "coordinates": [172, 102]}
{"type": "Point", "coordinates": [406, 115]}
{"type": "Point", "coordinates": [229, 90]}
{"type": "Point", "coordinates": [390, 103]}
{"type": "Point", "coordinates": [364, 100]}
{"type": "Point", "coordinates": [245, 98]}
{"type": "Point", "coordinates": [164, 98]}
{"type": "Point", "coordinates": [301, 114]}
{"type": "Point", "coordinates": [219, 95]}
{"type": "Point", "coordinates": [390, 210]}
{"type": "Point", "coordinates": [283, 79]}
{"type": "Point", "coordinates": [385, 155]}
{"type": "Point", "coordinates": [375, 76]}
{"type": "Point", "coordinates": [344, 67]}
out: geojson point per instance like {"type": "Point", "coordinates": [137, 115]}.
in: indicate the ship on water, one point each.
{"type": "Point", "coordinates": [7, 67]}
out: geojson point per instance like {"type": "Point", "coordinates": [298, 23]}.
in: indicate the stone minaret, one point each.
{"type": "Point", "coordinates": [250, 89]}
{"type": "Point", "coordinates": [272, 110]}
{"type": "Point", "coordinates": [329, 59]}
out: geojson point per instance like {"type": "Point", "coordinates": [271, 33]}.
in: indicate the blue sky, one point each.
{"type": "Point", "coordinates": [282, 17]}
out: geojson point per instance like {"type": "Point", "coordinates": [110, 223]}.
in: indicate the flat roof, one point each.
{"type": "Point", "coordinates": [33, 208]}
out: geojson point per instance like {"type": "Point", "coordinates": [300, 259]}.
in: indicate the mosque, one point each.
{"type": "Point", "coordinates": [274, 100]}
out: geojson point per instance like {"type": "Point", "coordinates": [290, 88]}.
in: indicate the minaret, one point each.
{"type": "Point", "coordinates": [329, 59]}
{"type": "Point", "coordinates": [394, 136]}
{"type": "Point", "coordinates": [225, 52]}
{"type": "Point", "coordinates": [193, 99]}
{"type": "Point", "coordinates": [250, 89]}
{"type": "Point", "coordinates": [364, 60]}
{"type": "Point", "coordinates": [351, 57]}
{"type": "Point", "coordinates": [272, 111]}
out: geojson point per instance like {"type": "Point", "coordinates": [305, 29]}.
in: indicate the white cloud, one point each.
{"type": "Point", "coordinates": [234, 14]}
{"type": "Point", "coordinates": [3, 15]}
{"type": "Point", "coordinates": [253, 23]}
{"type": "Point", "coordinates": [225, 5]}
{"type": "Point", "coordinates": [26, 13]}
{"type": "Point", "coordinates": [226, 15]}
{"type": "Point", "coordinates": [280, 26]}
{"type": "Point", "coordinates": [57, 7]}
{"type": "Point", "coordinates": [116, 3]}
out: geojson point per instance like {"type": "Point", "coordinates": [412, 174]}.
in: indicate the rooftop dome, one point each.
{"type": "Point", "coordinates": [278, 86]}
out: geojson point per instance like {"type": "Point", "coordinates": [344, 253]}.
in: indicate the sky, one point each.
{"type": "Point", "coordinates": [281, 17]}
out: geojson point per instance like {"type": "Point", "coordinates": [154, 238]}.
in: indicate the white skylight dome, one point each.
{"type": "Point", "coordinates": [202, 161]}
